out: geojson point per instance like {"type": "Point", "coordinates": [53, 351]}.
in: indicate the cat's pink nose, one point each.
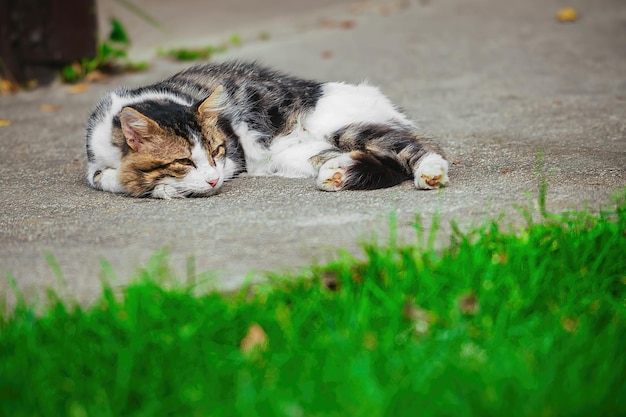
{"type": "Point", "coordinates": [213, 182]}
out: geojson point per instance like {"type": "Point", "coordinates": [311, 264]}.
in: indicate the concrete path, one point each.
{"type": "Point", "coordinates": [498, 82]}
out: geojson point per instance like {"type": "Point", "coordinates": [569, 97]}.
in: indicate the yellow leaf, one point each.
{"type": "Point", "coordinates": [49, 107]}
{"type": "Point", "coordinates": [256, 338]}
{"type": "Point", "coordinates": [8, 87]}
{"type": "Point", "coordinates": [96, 77]}
{"type": "Point", "coordinates": [370, 341]}
{"type": "Point", "coordinates": [77, 88]}
{"type": "Point", "coordinates": [567, 14]}
{"type": "Point", "coordinates": [4, 122]}
{"type": "Point", "coordinates": [569, 324]}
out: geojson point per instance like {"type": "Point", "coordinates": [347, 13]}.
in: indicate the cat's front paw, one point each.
{"type": "Point", "coordinates": [432, 172]}
{"type": "Point", "coordinates": [332, 175]}
{"type": "Point", "coordinates": [166, 192]}
{"type": "Point", "coordinates": [106, 180]}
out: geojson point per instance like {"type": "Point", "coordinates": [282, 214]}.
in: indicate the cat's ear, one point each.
{"type": "Point", "coordinates": [213, 104]}
{"type": "Point", "coordinates": [137, 128]}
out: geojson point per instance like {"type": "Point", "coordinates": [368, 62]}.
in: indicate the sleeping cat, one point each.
{"type": "Point", "coordinates": [186, 135]}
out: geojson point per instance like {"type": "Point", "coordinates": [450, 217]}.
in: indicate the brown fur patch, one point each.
{"type": "Point", "coordinates": [118, 139]}
{"type": "Point", "coordinates": [169, 146]}
{"type": "Point", "coordinates": [208, 113]}
{"type": "Point", "coordinates": [140, 173]}
{"type": "Point", "coordinates": [163, 156]}
{"type": "Point", "coordinates": [144, 135]}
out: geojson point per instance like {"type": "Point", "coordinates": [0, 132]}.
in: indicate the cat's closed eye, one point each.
{"type": "Point", "coordinates": [186, 162]}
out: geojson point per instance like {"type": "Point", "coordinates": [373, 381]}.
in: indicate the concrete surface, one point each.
{"type": "Point", "coordinates": [496, 81]}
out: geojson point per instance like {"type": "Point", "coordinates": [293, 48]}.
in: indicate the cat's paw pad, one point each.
{"type": "Point", "coordinates": [332, 175]}
{"type": "Point", "coordinates": [333, 181]}
{"type": "Point", "coordinates": [432, 172]}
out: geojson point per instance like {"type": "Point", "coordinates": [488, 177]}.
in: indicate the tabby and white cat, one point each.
{"type": "Point", "coordinates": [186, 135]}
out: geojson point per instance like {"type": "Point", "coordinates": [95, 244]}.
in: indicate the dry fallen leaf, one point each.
{"type": "Point", "coordinates": [330, 281]}
{"type": "Point", "coordinates": [346, 24]}
{"type": "Point", "coordinates": [468, 304]}
{"type": "Point", "coordinates": [256, 338]}
{"type": "Point", "coordinates": [49, 107]}
{"type": "Point", "coordinates": [8, 87]}
{"type": "Point", "coordinates": [77, 88]}
{"type": "Point", "coordinates": [569, 324]}
{"type": "Point", "coordinates": [370, 341]}
{"type": "Point", "coordinates": [500, 258]}
{"type": "Point", "coordinates": [421, 318]}
{"type": "Point", "coordinates": [567, 14]}
{"type": "Point", "coordinates": [341, 24]}
{"type": "Point", "coordinates": [96, 77]}
{"type": "Point", "coordinates": [4, 122]}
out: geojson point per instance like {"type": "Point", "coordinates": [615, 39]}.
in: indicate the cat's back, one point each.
{"type": "Point", "coordinates": [242, 80]}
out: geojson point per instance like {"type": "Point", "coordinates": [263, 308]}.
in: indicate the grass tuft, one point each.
{"type": "Point", "coordinates": [520, 323]}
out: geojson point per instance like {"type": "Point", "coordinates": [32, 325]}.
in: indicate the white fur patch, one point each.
{"type": "Point", "coordinates": [340, 105]}
{"type": "Point", "coordinates": [256, 155]}
{"type": "Point", "coordinates": [197, 181]}
{"type": "Point", "coordinates": [344, 104]}
{"type": "Point", "coordinates": [109, 181]}
{"type": "Point", "coordinates": [166, 192]}
{"type": "Point", "coordinates": [287, 156]}
{"type": "Point", "coordinates": [332, 173]}
{"type": "Point", "coordinates": [431, 172]}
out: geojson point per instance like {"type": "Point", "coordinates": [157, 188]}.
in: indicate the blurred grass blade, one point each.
{"type": "Point", "coordinates": [118, 33]}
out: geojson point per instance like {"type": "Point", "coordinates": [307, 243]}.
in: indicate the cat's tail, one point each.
{"type": "Point", "coordinates": [361, 170]}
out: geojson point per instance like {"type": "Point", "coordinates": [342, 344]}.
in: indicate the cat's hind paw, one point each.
{"type": "Point", "coordinates": [332, 175]}
{"type": "Point", "coordinates": [432, 172]}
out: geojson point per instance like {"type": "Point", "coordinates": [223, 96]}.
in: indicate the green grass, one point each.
{"type": "Point", "coordinates": [528, 322]}
{"type": "Point", "coordinates": [111, 57]}
{"type": "Point", "coordinates": [201, 53]}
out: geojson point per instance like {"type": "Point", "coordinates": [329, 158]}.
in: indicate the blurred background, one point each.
{"type": "Point", "coordinates": [39, 37]}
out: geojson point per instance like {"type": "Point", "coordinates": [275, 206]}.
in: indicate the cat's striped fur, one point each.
{"type": "Point", "coordinates": [188, 134]}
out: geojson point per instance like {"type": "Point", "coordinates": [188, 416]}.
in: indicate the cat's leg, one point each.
{"type": "Point", "coordinates": [332, 175]}
{"type": "Point", "coordinates": [105, 180]}
{"type": "Point", "coordinates": [357, 170]}
{"type": "Point", "coordinates": [166, 192]}
{"type": "Point", "coordinates": [431, 172]}
{"type": "Point", "coordinates": [387, 150]}
{"type": "Point", "coordinates": [361, 118]}
{"type": "Point", "coordinates": [423, 158]}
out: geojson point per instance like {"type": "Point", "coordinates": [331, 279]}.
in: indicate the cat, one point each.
{"type": "Point", "coordinates": [186, 135]}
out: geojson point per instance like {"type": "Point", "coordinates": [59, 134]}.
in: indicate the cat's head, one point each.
{"type": "Point", "coordinates": [170, 150]}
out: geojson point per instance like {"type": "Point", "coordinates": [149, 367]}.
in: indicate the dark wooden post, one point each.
{"type": "Point", "coordinates": [37, 37]}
